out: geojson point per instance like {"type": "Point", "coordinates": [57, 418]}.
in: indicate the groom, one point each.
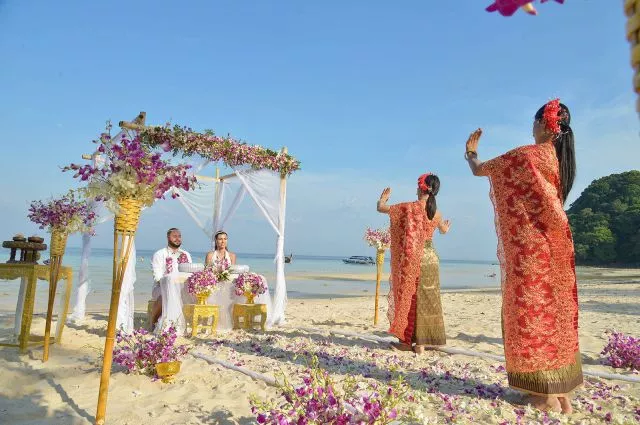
{"type": "Point", "coordinates": [165, 262]}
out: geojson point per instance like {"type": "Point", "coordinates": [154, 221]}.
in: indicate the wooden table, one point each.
{"type": "Point", "coordinates": [31, 273]}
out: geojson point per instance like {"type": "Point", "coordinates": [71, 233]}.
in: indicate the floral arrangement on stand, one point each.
{"type": "Point", "coordinates": [216, 148]}
{"type": "Point", "coordinates": [202, 283]}
{"type": "Point", "coordinates": [131, 170]}
{"type": "Point", "coordinates": [250, 285]}
{"type": "Point", "coordinates": [61, 217]}
{"type": "Point", "coordinates": [320, 401]}
{"type": "Point", "coordinates": [66, 214]}
{"type": "Point", "coordinates": [378, 238]}
{"type": "Point", "coordinates": [139, 352]}
{"type": "Point", "coordinates": [622, 351]}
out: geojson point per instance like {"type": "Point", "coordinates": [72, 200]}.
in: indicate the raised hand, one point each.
{"type": "Point", "coordinates": [384, 197]}
{"type": "Point", "coordinates": [473, 140]}
{"type": "Point", "coordinates": [382, 202]}
{"type": "Point", "coordinates": [445, 225]}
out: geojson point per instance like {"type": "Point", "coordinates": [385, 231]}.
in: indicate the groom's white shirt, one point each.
{"type": "Point", "coordinates": [159, 265]}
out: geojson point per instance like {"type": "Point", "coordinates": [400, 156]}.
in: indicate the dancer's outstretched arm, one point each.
{"type": "Point", "coordinates": [382, 202]}
{"type": "Point", "coordinates": [471, 153]}
{"type": "Point", "coordinates": [444, 226]}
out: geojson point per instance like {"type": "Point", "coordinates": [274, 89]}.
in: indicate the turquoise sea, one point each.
{"type": "Point", "coordinates": [307, 276]}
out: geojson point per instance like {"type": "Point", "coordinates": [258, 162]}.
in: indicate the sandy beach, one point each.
{"type": "Point", "coordinates": [65, 389]}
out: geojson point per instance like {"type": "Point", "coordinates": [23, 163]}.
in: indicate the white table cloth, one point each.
{"type": "Point", "coordinates": [175, 296]}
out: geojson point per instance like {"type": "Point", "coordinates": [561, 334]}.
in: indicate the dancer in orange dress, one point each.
{"type": "Point", "coordinates": [529, 186]}
{"type": "Point", "coordinates": [415, 310]}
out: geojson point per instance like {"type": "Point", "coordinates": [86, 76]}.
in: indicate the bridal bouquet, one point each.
{"type": "Point", "coordinates": [221, 269]}
{"type": "Point", "coordinates": [203, 282]}
{"type": "Point", "coordinates": [130, 170]}
{"type": "Point", "coordinates": [250, 283]}
{"type": "Point", "coordinates": [65, 214]}
{"type": "Point", "coordinates": [378, 238]}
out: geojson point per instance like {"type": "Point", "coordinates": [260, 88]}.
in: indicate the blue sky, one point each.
{"type": "Point", "coordinates": [366, 94]}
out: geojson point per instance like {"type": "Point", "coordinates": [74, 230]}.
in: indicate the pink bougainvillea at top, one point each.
{"type": "Point", "coordinates": [509, 7]}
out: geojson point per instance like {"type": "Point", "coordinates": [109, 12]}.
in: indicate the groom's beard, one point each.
{"type": "Point", "coordinates": [173, 245]}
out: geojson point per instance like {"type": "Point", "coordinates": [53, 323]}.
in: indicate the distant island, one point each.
{"type": "Point", "coordinates": [605, 221]}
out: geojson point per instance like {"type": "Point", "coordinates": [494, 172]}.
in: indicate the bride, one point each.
{"type": "Point", "coordinates": [220, 252]}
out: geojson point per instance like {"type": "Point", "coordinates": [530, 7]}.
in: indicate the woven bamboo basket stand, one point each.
{"type": "Point", "coordinates": [124, 229]}
{"type": "Point", "coordinates": [56, 252]}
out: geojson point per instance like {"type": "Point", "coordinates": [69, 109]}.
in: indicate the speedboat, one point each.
{"type": "Point", "coordinates": [359, 259]}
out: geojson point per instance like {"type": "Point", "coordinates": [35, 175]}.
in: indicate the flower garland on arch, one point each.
{"type": "Point", "coordinates": [217, 148]}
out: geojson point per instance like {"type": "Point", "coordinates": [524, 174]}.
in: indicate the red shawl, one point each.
{"type": "Point", "coordinates": [535, 249]}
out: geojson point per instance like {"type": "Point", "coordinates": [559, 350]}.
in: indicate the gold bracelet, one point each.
{"type": "Point", "coordinates": [466, 154]}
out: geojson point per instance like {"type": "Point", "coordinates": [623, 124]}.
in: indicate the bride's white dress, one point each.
{"type": "Point", "coordinates": [175, 296]}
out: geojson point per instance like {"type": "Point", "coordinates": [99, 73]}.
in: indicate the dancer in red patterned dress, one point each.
{"type": "Point", "coordinates": [529, 186]}
{"type": "Point", "coordinates": [415, 310]}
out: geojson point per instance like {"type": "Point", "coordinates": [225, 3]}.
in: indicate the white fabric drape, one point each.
{"type": "Point", "coordinates": [82, 291]}
{"type": "Point", "coordinates": [84, 279]}
{"type": "Point", "coordinates": [199, 204]}
{"type": "Point", "coordinates": [268, 191]}
{"type": "Point", "coordinates": [126, 307]}
{"type": "Point", "coordinates": [232, 210]}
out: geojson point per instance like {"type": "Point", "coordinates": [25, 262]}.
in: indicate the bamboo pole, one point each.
{"type": "Point", "coordinates": [379, 263]}
{"type": "Point", "coordinates": [122, 241]}
{"type": "Point", "coordinates": [280, 254]}
{"type": "Point", "coordinates": [56, 250]}
{"type": "Point", "coordinates": [125, 224]}
{"type": "Point", "coordinates": [216, 204]}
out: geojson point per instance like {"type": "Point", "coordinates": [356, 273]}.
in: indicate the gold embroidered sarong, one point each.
{"type": "Point", "coordinates": [429, 329]}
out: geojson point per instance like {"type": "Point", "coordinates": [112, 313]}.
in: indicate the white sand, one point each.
{"type": "Point", "coordinates": [65, 389]}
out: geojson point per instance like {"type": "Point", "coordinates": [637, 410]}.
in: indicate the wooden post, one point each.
{"type": "Point", "coordinates": [281, 223]}
{"type": "Point", "coordinates": [216, 202]}
{"type": "Point", "coordinates": [379, 263]}
{"type": "Point", "coordinates": [137, 124]}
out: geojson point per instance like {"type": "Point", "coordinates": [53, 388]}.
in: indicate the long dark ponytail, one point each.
{"type": "Point", "coordinates": [565, 149]}
{"type": "Point", "coordinates": [433, 187]}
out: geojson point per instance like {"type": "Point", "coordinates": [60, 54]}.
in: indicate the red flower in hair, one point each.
{"type": "Point", "coordinates": [550, 116]}
{"type": "Point", "coordinates": [422, 182]}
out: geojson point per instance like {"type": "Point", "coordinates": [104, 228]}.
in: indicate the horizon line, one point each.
{"type": "Point", "coordinates": [301, 255]}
